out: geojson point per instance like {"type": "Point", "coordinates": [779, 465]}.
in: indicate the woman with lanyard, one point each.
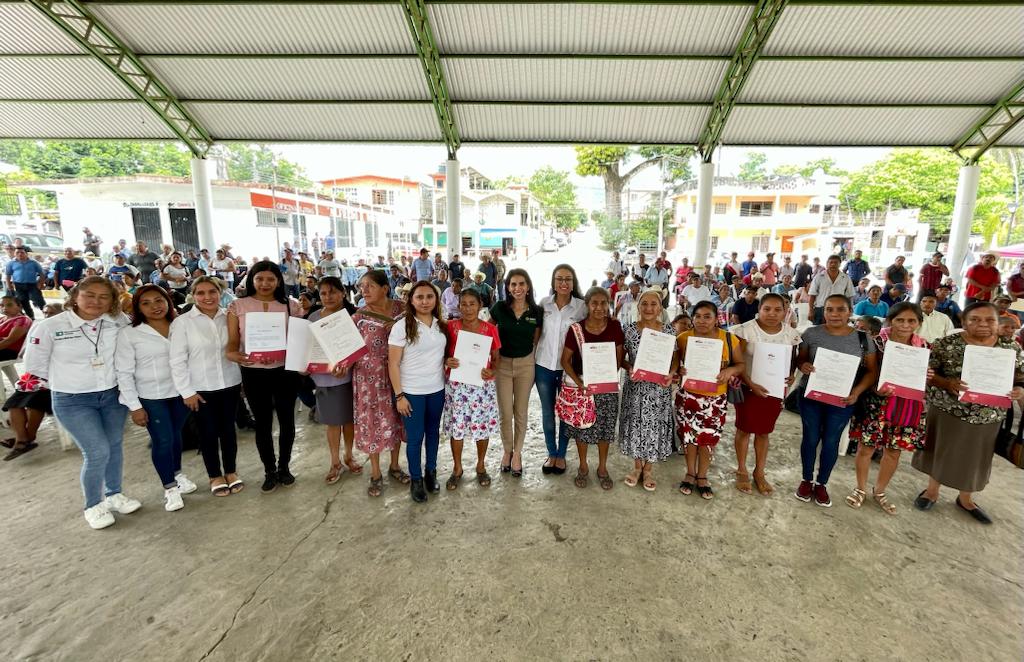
{"type": "Point", "coordinates": [75, 352]}
{"type": "Point", "coordinates": [334, 389]}
{"type": "Point", "coordinates": [561, 309]}
{"type": "Point", "coordinates": [700, 410]}
{"type": "Point", "coordinates": [823, 423]}
{"type": "Point", "coordinates": [470, 410]}
{"type": "Point", "coordinates": [269, 388]}
{"type": "Point", "coordinates": [596, 327]}
{"type": "Point", "coordinates": [757, 413]}
{"type": "Point", "coordinates": [378, 428]}
{"type": "Point", "coordinates": [645, 430]}
{"type": "Point", "coordinates": [884, 420]}
{"type": "Point", "coordinates": [416, 351]}
{"type": "Point", "coordinates": [208, 383]}
{"type": "Point", "coordinates": [147, 389]}
{"type": "Point", "coordinates": [519, 322]}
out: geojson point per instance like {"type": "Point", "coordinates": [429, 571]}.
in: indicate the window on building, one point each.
{"type": "Point", "coordinates": [372, 233]}
{"type": "Point", "coordinates": [790, 207]}
{"type": "Point", "coordinates": [382, 196]}
{"type": "Point", "coordinates": [755, 208]}
{"type": "Point", "coordinates": [268, 219]}
{"type": "Point", "coordinates": [524, 219]}
{"type": "Point", "coordinates": [343, 231]}
{"type": "Point", "coordinates": [510, 209]}
{"type": "Point", "coordinates": [346, 193]}
{"type": "Point", "coordinates": [908, 243]}
{"type": "Point", "coordinates": [814, 209]}
{"type": "Point", "coordinates": [891, 242]}
{"type": "Point", "coordinates": [693, 207]}
{"type": "Point", "coordinates": [759, 243]}
{"type": "Point", "coordinates": [440, 184]}
{"type": "Point", "coordinates": [714, 243]}
{"type": "Point", "coordinates": [720, 207]}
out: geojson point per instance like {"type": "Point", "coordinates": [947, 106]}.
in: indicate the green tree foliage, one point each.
{"type": "Point", "coordinates": [608, 161]}
{"type": "Point", "coordinates": [827, 164]}
{"type": "Point", "coordinates": [609, 229]}
{"type": "Point", "coordinates": [557, 195]}
{"type": "Point", "coordinates": [927, 179]}
{"type": "Point", "coordinates": [753, 170]}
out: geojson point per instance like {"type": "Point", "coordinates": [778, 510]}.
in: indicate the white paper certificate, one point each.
{"type": "Point", "coordinates": [338, 338]}
{"type": "Point", "coordinates": [654, 356]}
{"type": "Point", "coordinates": [905, 369]}
{"type": "Point", "coordinates": [473, 350]}
{"type": "Point", "coordinates": [265, 336]}
{"type": "Point", "coordinates": [600, 367]}
{"type": "Point", "coordinates": [770, 368]}
{"type": "Point", "coordinates": [703, 362]}
{"type": "Point", "coordinates": [988, 373]}
{"type": "Point", "coordinates": [297, 356]}
{"type": "Point", "coordinates": [833, 376]}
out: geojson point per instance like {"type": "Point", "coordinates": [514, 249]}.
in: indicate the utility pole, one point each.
{"type": "Point", "coordinates": [661, 210]}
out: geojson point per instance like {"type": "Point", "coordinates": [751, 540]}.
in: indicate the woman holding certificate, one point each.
{"type": "Point", "coordinates": [471, 400]}
{"type": "Point", "coordinates": [257, 337]}
{"type": "Point", "coordinates": [378, 428]}
{"type": "Point", "coordinates": [602, 332]}
{"type": "Point", "coordinates": [977, 375]}
{"type": "Point", "coordinates": [416, 351]}
{"type": "Point", "coordinates": [712, 358]}
{"type": "Point", "coordinates": [889, 417]}
{"type": "Point", "coordinates": [841, 364]}
{"type": "Point", "coordinates": [769, 346]}
{"type": "Point", "coordinates": [646, 432]}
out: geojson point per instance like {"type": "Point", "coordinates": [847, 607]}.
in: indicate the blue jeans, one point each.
{"type": "Point", "coordinates": [96, 423]}
{"type": "Point", "coordinates": [166, 421]}
{"type": "Point", "coordinates": [822, 424]}
{"type": "Point", "coordinates": [548, 382]}
{"type": "Point", "coordinates": [424, 422]}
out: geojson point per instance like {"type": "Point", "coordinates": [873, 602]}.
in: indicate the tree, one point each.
{"type": "Point", "coordinates": [926, 179]}
{"type": "Point", "coordinates": [557, 196]}
{"type": "Point", "coordinates": [752, 170]}
{"type": "Point", "coordinates": [806, 171]}
{"type": "Point", "coordinates": [610, 230]}
{"type": "Point", "coordinates": [259, 163]}
{"type": "Point", "coordinates": [608, 161]}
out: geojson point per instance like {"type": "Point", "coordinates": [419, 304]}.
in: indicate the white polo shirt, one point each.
{"type": "Point", "coordinates": [556, 325]}
{"type": "Point", "coordinates": [822, 287]}
{"type": "Point", "coordinates": [143, 366]}
{"type": "Point", "coordinates": [74, 355]}
{"type": "Point", "coordinates": [936, 325]}
{"type": "Point", "coordinates": [197, 353]}
{"type": "Point", "coordinates": [422, 366]}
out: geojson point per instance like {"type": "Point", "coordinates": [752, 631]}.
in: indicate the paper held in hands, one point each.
{"type": "Point", "coordinates": [988, 374]}
{"type": "Point", "coordinates": [905, 369]}
{"type": "Point", "coordinates": [833, 377]}
{"type": "Point", "coordinates": [770, 368]}
{"type": "Point", "coordinates": [304, 353]}
{"type": "Point", "coordinates": [654, 356]}
{"type": "Point", "coordinates": [473, 351]}
{"type": "Point", "coordinates": [703, 363]}
{"type": "Point", "coordinates": [338, 338]}
{"type": "Point", "coordinates": [265, 336]}
{"type": "Point", "coordinates": [600, 367]}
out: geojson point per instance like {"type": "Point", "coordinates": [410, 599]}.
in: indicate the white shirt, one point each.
{"type": "Point", "coordinates": [935, 325]}
{"type": "Point", "coordinates": [222, 268]}
{"type": "Point", "coordinates": [142, 364]}
{"type": "Point", "coordinates": [556, 325]}
{"type": "Point", "coordinates": [752, 332]}
{"type": "Point", "coordinates": [695, 295]}
{"type": "Point", "coordinates": [422, 366]}
{"type": "Point", "coordinates": [616, 267]}
{"type": "Point", "coordinates": [197, 353]}
{"type": "Point", "coordinates": [177, 272]}
{"type": "Point", "coordinates": [75, 355]}
{"type": "Point", "coordinates": [656, 276]}
{"type": "Point", "coordinates": [822, 287]}
{"type": "Point", "coordinates": [330, 268]}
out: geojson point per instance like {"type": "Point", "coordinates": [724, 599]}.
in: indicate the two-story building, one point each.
{"type": "Point", "coordinates": [409, 202]}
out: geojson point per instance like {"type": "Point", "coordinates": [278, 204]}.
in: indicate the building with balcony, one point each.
{"type": "Point", "coordinates": [410, 203]}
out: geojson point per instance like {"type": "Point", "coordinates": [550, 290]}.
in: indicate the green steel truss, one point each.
{"type": "Point", "coordinates": [80, 24]}
{"type": "Point", "coordinates": [430, 57]}
{"type": "Point", "coordinates": [759, 27]}
{"type": "Point", "coordinates": [994, 124]}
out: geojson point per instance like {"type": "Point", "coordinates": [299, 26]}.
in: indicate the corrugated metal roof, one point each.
{"type": "Point", "coordinates": [23, 29]}
{"type": "Point", "coordinates": [895, 29]}
{"type": "Point", "coordinates": [1014, 137]}
{"type": "Point", "coordinates": [58, 78]}
{"type": "Point", "coordinates": [558, 123]}
{"type": "Point", "coordinates": [564, 27]}
{"type": "Point", "coordinates": [310, 78]}
{"type": "Point", "coordinates": [893, 81]}
{"type": "Point", "coordinates": [117, 119]}
{"type": "Point", "coordinates": [269, 121]}
{"type": "Point", "coordinates": [568, 79]}
{"type": "Point", "coordinates": [260, 28]}
{"type": "Point", "coordinates": [802, 125]}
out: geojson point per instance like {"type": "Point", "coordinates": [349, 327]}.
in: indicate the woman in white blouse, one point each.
{"type": "Point", "coordinates": [144, 378]}
{"type": "Point", "coordinates": [209, 383]}
{"type": "Point", "coordinates": [75, 352]}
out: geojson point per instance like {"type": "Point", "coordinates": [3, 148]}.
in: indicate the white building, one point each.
{"type": "Point", "coordinates": [409, 201]}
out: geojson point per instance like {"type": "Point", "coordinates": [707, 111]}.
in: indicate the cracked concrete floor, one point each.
{"type": "Point", "coordinates": [529, 569]}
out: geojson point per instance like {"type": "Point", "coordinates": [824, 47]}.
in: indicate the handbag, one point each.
{"type": "Point", "coordinates": [1008, 444]}
{"type": "Point", "coordinates": [734, 391]}
{"type": "Point", "coordinates": [572, 406]}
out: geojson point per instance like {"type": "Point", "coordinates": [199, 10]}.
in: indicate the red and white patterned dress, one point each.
{"type": "Point", "coordinates": [378, 427]}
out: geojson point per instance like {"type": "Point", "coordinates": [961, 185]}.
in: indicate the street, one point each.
{"type": "Point", "coordinates": [584, 253]}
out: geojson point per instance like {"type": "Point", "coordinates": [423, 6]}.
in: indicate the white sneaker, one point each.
{"type": "Point", "coordinates": [172, 499]}
{"type": "Point", "coordinates": [185, 486]}
{"type": "Point", "coordinates": [99, 516]}
{"type": "Point", "coordinates": [122, 504]}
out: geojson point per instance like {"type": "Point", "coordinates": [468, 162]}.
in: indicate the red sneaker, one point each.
{"type": "Point", "coordinates": [821, 496]}
{"type": "Point", "coordinates": [805, 491]}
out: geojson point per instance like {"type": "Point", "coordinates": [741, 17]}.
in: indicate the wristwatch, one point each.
{"type": "Point", "coordinates": [399, 396]}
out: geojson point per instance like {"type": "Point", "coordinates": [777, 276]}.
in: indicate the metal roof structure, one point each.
{"type": "Point", "coordinates": [704, 73]}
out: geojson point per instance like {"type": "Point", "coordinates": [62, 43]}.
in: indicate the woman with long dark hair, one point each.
{"type": "Point", "coordinates": [269, 388]}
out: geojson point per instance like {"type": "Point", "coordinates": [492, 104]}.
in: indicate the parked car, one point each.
{"type": "Point", "coordinates": [561, 239]}
{"type": "Point", "coordinates": [630, 255]}
{"type": "Point", "coordinates": [46, 245]}
{"type": "Point", "coordinates": [550, 245]}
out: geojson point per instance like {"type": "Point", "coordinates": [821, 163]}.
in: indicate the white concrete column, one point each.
{"type": "Point", "coordinates": [963, 216]}
{"type": "Point", "coordinates": [453, 199]}
{"type": "Point", "coordinates": [702, 238]}
{"type": "Point", "coordinates": [202, 192]}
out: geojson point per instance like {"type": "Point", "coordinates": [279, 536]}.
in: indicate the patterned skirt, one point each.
{"type": "Point", "coordinates": [700, 418]}
{"type": "Point", "coordinates": [470, 412]}
{"type": "Point", "coordinates": [870, 427]}
{"type": "Point", "coordinates": [603, 429]}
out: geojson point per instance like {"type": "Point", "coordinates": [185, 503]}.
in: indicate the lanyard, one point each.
{"type": "Point", "coordinates": [95, 343]}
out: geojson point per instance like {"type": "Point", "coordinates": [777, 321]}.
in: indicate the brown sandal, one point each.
{"type": "Point", "coordinates": [582, 479]}
{"type": "Point", "coordinates": [743, 482]}
{"type": "Point", "coordinates": [648, 475]}
{"type": "Point", "coordinates": [353, 466]}
{"type": "Point", "coordinates": [400, 476]}
{"type": "Point", "coordinates": [763, 486]}
{"type": "Point", "coordinates": [605, 482]}
{"type": "Point", "coordinates": [376, 486]}
{"type": "Point", "coordinates": [334, 474]}
{"type": "Point", "coordinates": [633, 477]}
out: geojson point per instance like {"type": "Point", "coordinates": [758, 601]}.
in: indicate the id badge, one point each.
{"type": "Point", "coordinates": [96, 362]}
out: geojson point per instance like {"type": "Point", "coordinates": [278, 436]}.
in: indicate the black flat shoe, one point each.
{"type": "Point", "coordinates": [922, 502]}
{"type": "Point", "coordinates": [558, 471]}
{"type": "Point", "coordinates": [285, 477]}
{"type": "Point", "coordinates": [269, 483]}
{"type": "Point", "coordinates": [418, 491]}
{"type": "Point", "coordinates": [546, 470]}
{"type": "Point", "coordinates": [977, 513]}
{"type": "Point", "coordinates": [430, 481]}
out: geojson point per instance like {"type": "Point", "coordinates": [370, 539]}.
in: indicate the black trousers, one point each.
{"type": "Point", "coordinates": [270, 391]}
{"type": "Point", "coordinates": [28, 294]}
{"type": "Point", "coordinates": [217, 437]}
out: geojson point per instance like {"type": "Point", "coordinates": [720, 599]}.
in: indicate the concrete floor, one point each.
{"type": "Point", "coordinates": [529, 569]}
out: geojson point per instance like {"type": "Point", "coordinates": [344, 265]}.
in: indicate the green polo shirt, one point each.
{"type": "Point", "coordinates": [516, 333]}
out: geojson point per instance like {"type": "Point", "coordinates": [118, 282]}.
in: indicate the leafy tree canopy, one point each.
{"type": "Point", "coordinates": [827, 164]}
{"type": "Point", "coordinates": [753, 170]}
{"type": "Point", "coordinates": [558, 197]}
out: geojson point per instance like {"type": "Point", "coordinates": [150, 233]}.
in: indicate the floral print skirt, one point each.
{"type": "Point", "coordinates": [470, 412]}
{"type": "Point", "coordinates": [700, 418]}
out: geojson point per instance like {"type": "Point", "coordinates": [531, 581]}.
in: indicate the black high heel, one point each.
{"type": "Point", "coordinates": [516, 473]}
{"type": "Point", "coordinates": [505, 468]}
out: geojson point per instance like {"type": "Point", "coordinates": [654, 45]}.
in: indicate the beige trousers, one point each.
{"type": "Point", "coordinates": [514, 382]}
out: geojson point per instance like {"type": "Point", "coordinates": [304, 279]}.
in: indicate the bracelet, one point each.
{"type": "Point", "coordinates": [399, 396]}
